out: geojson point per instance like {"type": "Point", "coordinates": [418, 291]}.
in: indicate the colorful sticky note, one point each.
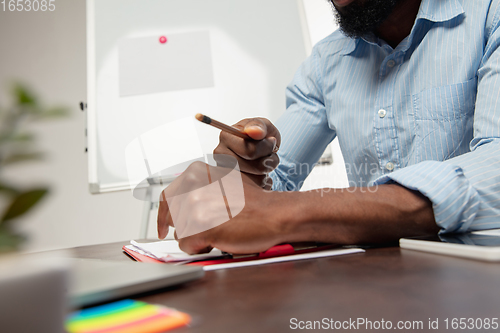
{"type": "Point", "coordinates": [126, 316]}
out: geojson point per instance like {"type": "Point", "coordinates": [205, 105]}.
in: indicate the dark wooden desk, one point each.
{"type": "Point", "coordinates": [384, 283]}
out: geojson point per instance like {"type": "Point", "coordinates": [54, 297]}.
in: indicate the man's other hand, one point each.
{"type": "Point", "coordinates": [256, 156]}
{"type": "Point", "coordinates": [189, 204]}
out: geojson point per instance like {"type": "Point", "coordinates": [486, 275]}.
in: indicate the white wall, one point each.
{"type": "Point", "coordinates": [47, 50]}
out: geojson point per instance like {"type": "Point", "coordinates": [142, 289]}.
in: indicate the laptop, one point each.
{"type": "Point", "coordinates": [96, 281]}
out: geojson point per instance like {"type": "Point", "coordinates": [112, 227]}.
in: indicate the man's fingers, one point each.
{"type": "Point", "coordinates": [194, 245]}
{"type": "Point", "coordinates": [163, 225]}
{"type": "Point", "coordinates": [271, 130]}
{"type": "Point", "coordinates": [247, 149]}
{"type": "Point", "coordinates": [259, 128]}
{"type": "Point", "coordinates": [164, 217]}
{"type": "Point", "coordinates": [256, 129]}
{"type": "Point", "coordinates": [260, 166]}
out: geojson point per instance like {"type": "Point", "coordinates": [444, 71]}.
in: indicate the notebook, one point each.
{"type": "Point", "coordinates": [145, 252]}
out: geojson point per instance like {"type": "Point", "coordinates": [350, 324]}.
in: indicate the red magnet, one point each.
{"type": "Point", "coordinates": [163, 39]}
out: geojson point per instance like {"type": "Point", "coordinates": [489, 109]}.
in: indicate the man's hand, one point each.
{"type": "Point", "coordinates": [256, 157]}
{"type": "Point", "coordinates": [191, 203]}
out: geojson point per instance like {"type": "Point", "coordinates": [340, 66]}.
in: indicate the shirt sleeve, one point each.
{"type": "Point", "coordinates": [465, 190]}
{"type": "Point", "coordinates": [304, 127]}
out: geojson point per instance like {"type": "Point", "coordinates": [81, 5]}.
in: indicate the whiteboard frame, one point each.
{"type": "Point", "coordinates": [94, 186]}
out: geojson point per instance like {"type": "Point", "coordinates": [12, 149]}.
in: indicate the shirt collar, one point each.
{"type": "Point", "coordinates": [439, 11]}
{"type": "Point", "coordinates": [431, 10]}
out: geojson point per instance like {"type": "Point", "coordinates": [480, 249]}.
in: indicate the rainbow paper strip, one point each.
{"type": "Point", "coordinates": [126, 316]}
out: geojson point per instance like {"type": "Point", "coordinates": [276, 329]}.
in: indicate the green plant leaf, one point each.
{"type": "Point", "coordinates": [17, 138]}
{"type": "Point", "coordinates": [23, 203]}
{"type": "Point", "coordinates": [23, 95]}
{"type": "Point", "coordinates": [23, 137]}
{"type": "Point", "coordinates": [54, 112]}
{"type": "Point", "coordinates": [16, 158]}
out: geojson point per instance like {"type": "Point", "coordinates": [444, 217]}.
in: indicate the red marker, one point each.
{"type": "Point", "coordinates": [163, 39]}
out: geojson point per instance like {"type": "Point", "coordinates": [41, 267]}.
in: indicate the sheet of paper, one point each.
{"type": "Point", "coordinates": [167, 62]}
{"type": "Point", "coordinates": [293, 257]}
{"type": "Point", "coordinates": [169, 251]}
{"type": "Point", "coordinates": [139, 251]}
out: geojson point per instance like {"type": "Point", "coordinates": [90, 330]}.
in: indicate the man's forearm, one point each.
{"type": "Point", "coordinates": [344, 216]}
{"type": "Point", "coordinates": [355, 215]}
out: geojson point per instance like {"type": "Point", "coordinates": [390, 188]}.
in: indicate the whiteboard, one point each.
{"type": "Point", "coordinates": [228, 59]}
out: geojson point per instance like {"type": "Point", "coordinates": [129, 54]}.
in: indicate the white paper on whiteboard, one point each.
{"type": "Point", "coordinates": [146, 65]}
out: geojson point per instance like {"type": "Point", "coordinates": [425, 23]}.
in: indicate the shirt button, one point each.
{"type": "Point", "coordinates": [391, 63]}
{"type": "Point", "coordinates": [389, 166]}
{"type": "Point", "coordinates": [382, 113]}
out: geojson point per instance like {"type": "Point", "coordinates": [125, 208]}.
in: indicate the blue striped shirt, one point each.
{"type": "Point", "coordinates": [425, 115]}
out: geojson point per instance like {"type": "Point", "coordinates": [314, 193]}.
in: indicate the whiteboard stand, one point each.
{"type": "Point", "coordinates": [155, 186]}
{"type": "Point", "coordinates": [146, 212]}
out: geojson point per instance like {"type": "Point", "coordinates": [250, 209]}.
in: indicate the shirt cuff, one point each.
{"type": "Point", "coordinates": [454, 201]}
{"type": "Point", "coordinates": [278, 184]}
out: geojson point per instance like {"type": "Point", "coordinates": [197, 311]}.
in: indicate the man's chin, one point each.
{"type": "Point", "coordinates": [357, 18]}
{"type": "Point", "coordinates": [341, 3]}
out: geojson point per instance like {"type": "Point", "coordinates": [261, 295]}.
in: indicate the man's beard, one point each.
{"type": "Point", "coordinates": [361, 17]}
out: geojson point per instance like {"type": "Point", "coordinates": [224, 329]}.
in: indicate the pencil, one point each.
{"type": "Point", "coordinates": [227, 128]}
{"type": "Point", "coordinates": [221, 126]}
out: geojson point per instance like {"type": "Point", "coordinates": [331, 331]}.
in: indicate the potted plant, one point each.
{"type": "Point", "coordinates": [17, 145]}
